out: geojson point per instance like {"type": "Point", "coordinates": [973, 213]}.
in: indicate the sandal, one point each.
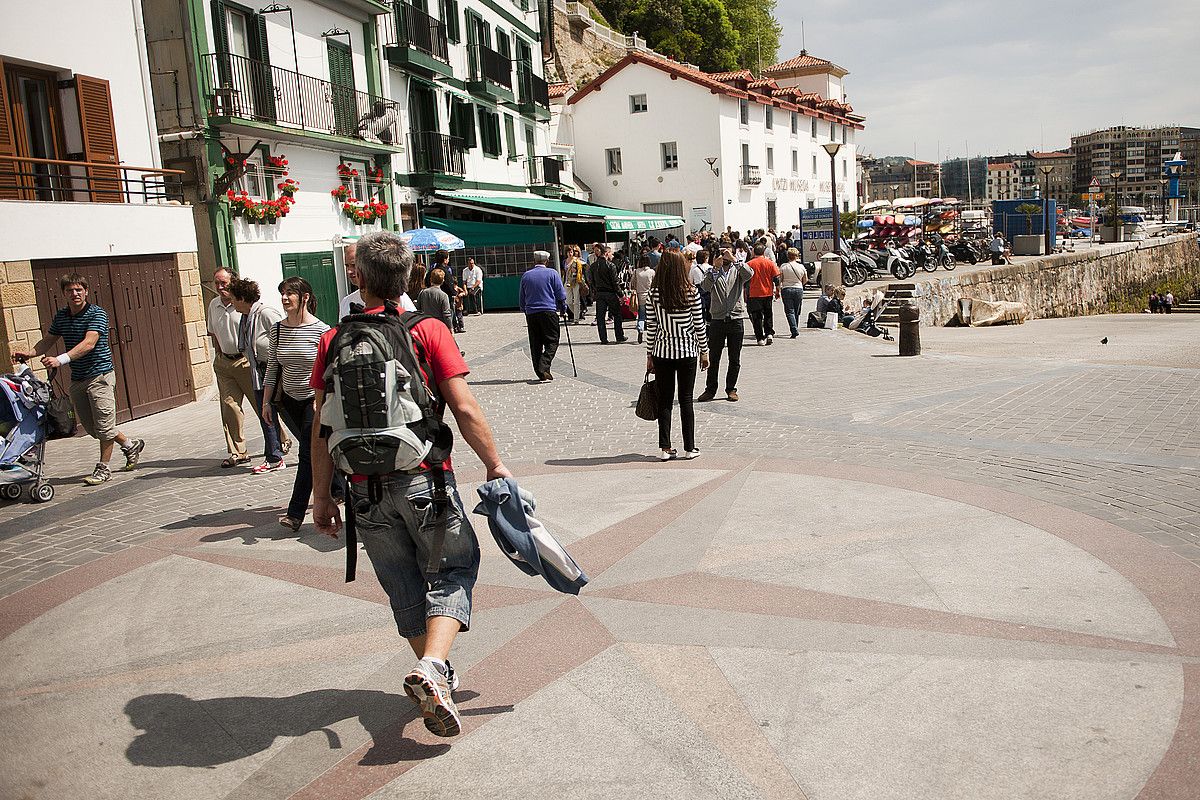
{"type": "Point", "coordinates": [291, 524]}
{"type": "Point", "coordinates": [234, 461]}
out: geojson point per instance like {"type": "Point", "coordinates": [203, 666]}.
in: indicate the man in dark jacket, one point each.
{"type": "Point", "coordinates": [542, 299]}
{"type": "Point", "coordinates": [606, 283]}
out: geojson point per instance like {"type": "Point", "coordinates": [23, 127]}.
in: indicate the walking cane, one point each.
{"type": "Point", "coordinates": [570, 349]}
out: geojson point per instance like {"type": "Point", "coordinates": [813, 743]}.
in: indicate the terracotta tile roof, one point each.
{"type": "Point", "coordinates": [762, 83]}
{"type": "Point", "coordinates": [712, 83]}
{"type": "Point", "coordinates": [915, 162]}
{"type": "Point", "coordinates": [1054, 154]}
{"type": "Point", "coordinates": [1003, 165]}
{"type": "Point", "coordinates": [559, 89]}
{"type": "Point", "coordinates": [802, 61]}
{"type": "Point", "coordinates": [741, 74]}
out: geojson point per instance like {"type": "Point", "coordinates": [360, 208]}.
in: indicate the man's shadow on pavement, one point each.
{"type": "Point", "coordinates": [601, 461]}
{"type": "Point", "coordinates": [252, 525]}
{"type": "Point", "coordinates": [178, 731]}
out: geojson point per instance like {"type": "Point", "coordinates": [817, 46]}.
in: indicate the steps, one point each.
{"type": "Point", "coordinates": [893, 297]}
{"type": "Point", "coordinates": [1187, 307]}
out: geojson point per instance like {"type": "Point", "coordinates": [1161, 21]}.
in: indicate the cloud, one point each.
{"type": "Point", "coordinates": [999, 78]}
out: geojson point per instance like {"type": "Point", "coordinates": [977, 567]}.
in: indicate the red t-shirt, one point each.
{"type": "Point", "coordinates": [440, 348]}
{"type": "Point", "coordinates": [765, 273]}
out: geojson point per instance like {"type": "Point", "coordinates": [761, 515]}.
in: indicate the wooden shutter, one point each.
{"type": "Point", "coordinates": [220, 29]}
{"type": "Point", "coordinates": [264, 84]}
{"type": "Point", "coordinates": [341, 76]}
{"type": "Point", "coordinates": [99, 137]}
{"type": "Point", "coordinates": [9, 183]}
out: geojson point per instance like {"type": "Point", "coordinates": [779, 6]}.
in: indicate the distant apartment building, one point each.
{"type": "Point", "coordinates": [1136, 154]}
{"type": "Point", "coordinates": [898, 176]}
{"type": "Point", "coordinates": [1002, 181]}
{"type": "Point", "coordinates": [1058, 185]}
{"type": "Point", "coordinates": [965, 178]}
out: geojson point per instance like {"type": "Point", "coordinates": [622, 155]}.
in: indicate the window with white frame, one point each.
{"type": "Point", "coordinates": [744, 112]}
{"type": "Point", "coordinates": [638, 104]}
{"type": "Point", "coordinates": [358, 179]}
{"type": "Point", "coordinates": [612, 160]}
{"type": "Point", "coordinates": [845, 168]}
{"type": "Point", "coordinates": [770, 118]}
{"type": "Point", "coordinates": [670, 155]}
{"type": "Point", "coordinates": [814, 127]}
{"type": "Point", "coordinates": [795, 123]}
{"type": "Point", "coordinates": [814, 166]}
{"type": "Point", "coordinates": [770, 159]}
{"type": "Point", "coordinates": [255, 181]}
{"type": "Point", "coordinates": [795, 162]}
{"type": "Point", "coordinates": [844, 134]}
{"type": "Point", "coordinates": [832, 131]}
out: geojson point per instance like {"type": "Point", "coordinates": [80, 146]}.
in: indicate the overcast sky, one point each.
{"type": "Point", "coordinates": [1003, 77]}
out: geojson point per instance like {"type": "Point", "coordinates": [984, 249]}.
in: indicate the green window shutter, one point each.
{"type": "Point", "coordinates": [220, 27]}
{"type": "Point", "coordinates": [453, 26]}
{"type": "Point", "coordinates": [510, 136]}
{"type": "Point", "coordinates": [262, 53]}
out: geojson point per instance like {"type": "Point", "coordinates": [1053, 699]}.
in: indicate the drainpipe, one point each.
{"type": "Point", "coordinates": [139, 33]}
{"type": "Point", "coordinates": [179, 137]}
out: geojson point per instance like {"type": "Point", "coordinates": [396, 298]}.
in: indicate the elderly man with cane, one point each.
{"type": "Point", "coordinates": [542, 299]}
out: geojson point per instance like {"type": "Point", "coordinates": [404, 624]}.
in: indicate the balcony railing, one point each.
{"type": "Point", "coordinates": [545, 171]}
{"type": "Point", "coordinates": [247, 89]}
{"type": "Point", "coordinates": [52, 180]}
{"type": "Point", "coordinates": [488, 65]}
{"type": "Point", "coordinates": [418, 30]}
{"type": "Point", "coordinates": [751, 175]}
{"type": "Point", "coordinates": [532, 89]}
{"type": "Point", "coordinates": [434, 152]}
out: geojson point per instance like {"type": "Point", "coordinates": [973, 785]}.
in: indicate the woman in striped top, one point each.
{"type": "Point", "coordinates": [292, 351]}
{"type": "Point", "coordinates": [675, 335]}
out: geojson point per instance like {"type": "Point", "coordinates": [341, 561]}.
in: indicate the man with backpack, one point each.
{"type": "Point", "coordinates": [384, 429]}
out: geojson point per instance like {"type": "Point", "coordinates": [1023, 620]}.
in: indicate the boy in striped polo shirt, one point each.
{"type": "Point", "coordinates": [84, 331]}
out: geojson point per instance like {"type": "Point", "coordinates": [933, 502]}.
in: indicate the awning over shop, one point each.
{"type": "Point", "coordinates": [490, 234]}
{"type": "Point", "coordinates": [543, 208]}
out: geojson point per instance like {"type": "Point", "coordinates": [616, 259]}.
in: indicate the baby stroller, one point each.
{"type": "Point", "coordinates": [24, 428]}
{"type": "Point", "coordinates": [865, 321]}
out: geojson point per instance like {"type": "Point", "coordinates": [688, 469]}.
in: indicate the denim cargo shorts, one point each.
{"type": "Point", "coordinates": [426, 562]}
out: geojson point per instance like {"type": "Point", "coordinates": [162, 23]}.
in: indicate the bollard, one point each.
{"type": "Point", "coordinates": [831, 270]}
{"type": "Point", "coordinates": [910, 330]}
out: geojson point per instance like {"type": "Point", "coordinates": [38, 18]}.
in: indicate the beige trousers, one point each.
{"type": "Point", "coordinates": [234, 385]}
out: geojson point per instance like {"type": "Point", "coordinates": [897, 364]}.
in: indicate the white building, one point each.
{"type": "Point", "coordinates": [1002, 181]}
{"type": "Point", "coordinates": [727, 150]}
{"type": "Point", "coordinates": [82, 190]}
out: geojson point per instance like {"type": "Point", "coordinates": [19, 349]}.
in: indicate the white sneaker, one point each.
{"type": "Point", "coordinates": [667, 455]}
{"type": "Point", "coordinates": [770, 340]}
{"type": "Point", "coordinates": [690, 454]}
{"type": "Point", "coordinates": [430, 690]}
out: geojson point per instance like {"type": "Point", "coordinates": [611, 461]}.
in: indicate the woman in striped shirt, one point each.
{"type": "Point", "coordinates": [293, 349]}
{"type": "Point", "coordinates": [675, 335]}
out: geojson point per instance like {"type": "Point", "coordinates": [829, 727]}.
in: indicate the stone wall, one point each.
{"type": "Point", "coordinates": [579, 54]}
{"type": "Point", "coordinates": [195, 326]}
{"type": "Point", "coordinates": [20, 325]}
{"type": "Point", "coordinates": [1111, 279]}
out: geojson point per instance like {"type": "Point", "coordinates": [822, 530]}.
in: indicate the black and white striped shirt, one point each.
{"type": "Point", "coordinates": [295, 352]}
{"type": "Point", "coordinates": [675, 334]}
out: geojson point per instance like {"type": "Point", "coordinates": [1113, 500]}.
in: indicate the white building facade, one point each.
{"type": "Point", "coordinates": [82, 190]}
{"type": "Point", "coordinates": [1003, 181]}
{"type": "Point", "coordinates": [726, 150]}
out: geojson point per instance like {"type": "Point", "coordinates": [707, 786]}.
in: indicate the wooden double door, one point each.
{"type": "Point", "coordinates": [146, 329]}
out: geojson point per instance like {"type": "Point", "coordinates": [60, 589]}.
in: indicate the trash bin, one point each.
{"type": "Point", "coordinates": [831, 270]}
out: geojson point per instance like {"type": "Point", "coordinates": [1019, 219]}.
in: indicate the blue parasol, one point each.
{"type": "Point", "coordinates": [425, 240]}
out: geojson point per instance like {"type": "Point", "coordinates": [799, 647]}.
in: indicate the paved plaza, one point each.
{"type": "Point", "coordinates": [973, 574]}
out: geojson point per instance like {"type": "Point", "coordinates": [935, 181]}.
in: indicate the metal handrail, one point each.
{"type": "Point", "coordinates": [434, 152]}
{"type": "Point", "coordinates": [59, 180]}
{"type": "Point", "coordinates": [532, 88]}
{"type": "Point", "coordinates": [490, 65]}
{"type": "Point", "coordinates": [545, 171]}
{"type": "Point", "coordinates": [417, 29]}
{"type": "Point", "coordinates": [243, 88]}
{"type": "Point", "coordinates": [751, 175]}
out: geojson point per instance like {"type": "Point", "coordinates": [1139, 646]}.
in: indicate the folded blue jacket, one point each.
{"type": "Point", "coordinates": [524, 539]}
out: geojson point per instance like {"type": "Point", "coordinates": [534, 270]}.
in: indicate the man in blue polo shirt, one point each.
{"type": "Point", "coordinates": [542, 299]}
{"type": "Point", "coordinates": [84, 331]}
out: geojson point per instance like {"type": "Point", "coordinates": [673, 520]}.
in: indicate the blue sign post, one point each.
{"type": "Point", "coordinates": [817, 230]}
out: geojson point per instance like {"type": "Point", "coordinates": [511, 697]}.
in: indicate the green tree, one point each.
{"type": "Point", "coordinates": [696, 31]}
{"type": "Point", "coordinates": [758, 32]}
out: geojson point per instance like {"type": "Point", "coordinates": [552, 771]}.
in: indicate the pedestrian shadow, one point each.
{"type": "Point", "coordinates": [252, 525]}
{"type": "Point", "coordinates": [507, 382]}
{"type": "Point", "coordinates": [600, 461]}
{"type": "Point", "coordinates": [177, 731]}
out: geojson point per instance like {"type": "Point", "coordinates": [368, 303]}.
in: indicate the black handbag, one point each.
{"type": "Point", "coordinates": [60, 413]}
{"type": "Point", "coordinates": [647, 402]}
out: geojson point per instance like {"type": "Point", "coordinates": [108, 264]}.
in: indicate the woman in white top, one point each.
{"type": "Point", "coordinates": [793, 276]}
{"type": "Point", "coordinates": [643, 277]}
{"type": "Point", "coordinates": [675, 335]}
{"type": "Point", "coordinates": [293, 351]}
{"type": "Point", "coordinates": [254, 342]}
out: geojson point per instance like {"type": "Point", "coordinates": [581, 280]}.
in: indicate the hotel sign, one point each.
{"type": "Point", "coordinates": [800, 185]}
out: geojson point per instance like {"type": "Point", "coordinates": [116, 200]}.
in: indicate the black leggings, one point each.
{"type": "Point", "coordinates": [668, 372]}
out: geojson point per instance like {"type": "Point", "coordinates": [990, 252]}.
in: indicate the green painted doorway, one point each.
{"type": "Point", "coordinates": [318, 270]}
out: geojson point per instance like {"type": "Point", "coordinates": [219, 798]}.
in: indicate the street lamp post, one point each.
{"type": "Point", "coordinates": [832, 148]}
{"type": "Point", "coordinates": [1046, 169]}
{"type": "Point", "coordinates": [1116, 216]}
{"type": "Point", "coordinates": [1163, 183]}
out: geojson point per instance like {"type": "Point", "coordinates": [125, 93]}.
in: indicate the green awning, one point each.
{"type": "Point", "coordinates": [530, 207]}
{"type": "Point", "coordinates": [490, 234]}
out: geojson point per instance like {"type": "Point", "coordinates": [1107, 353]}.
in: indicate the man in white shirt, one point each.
{"type": "Point", "coordinates": [472, 281]}
{"type": "Point", "coordinates": [231, 368]}
{"type": "Point", "coordinates": [355, 297]}
{"type": "Point", "coordinates": [692, 245]}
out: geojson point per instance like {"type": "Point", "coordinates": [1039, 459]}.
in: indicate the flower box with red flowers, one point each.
{"type": "Point", "coordinates": [288, 188]}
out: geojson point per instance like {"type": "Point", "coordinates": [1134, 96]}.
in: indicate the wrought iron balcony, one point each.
{"type": "Point", "coordinates": [57, 180]}
{"type": "Point", "coordinates": [437, 153]}
{"type": "Point", "coordinates": [413, 28]}
{"type": "Point", "coordinates": [751, 175]}
{"type": "Point", "coordinates": [531, 89]}
{"type": "Point", "coordinates": [242, 88]}
{"type": "Point", "coordinates": [490, 66]}
{"type": "Point", "coordinates": [545, 171]}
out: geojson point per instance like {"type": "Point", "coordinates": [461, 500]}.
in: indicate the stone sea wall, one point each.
{"type": "Point", "coordinates": [1112, 279]}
